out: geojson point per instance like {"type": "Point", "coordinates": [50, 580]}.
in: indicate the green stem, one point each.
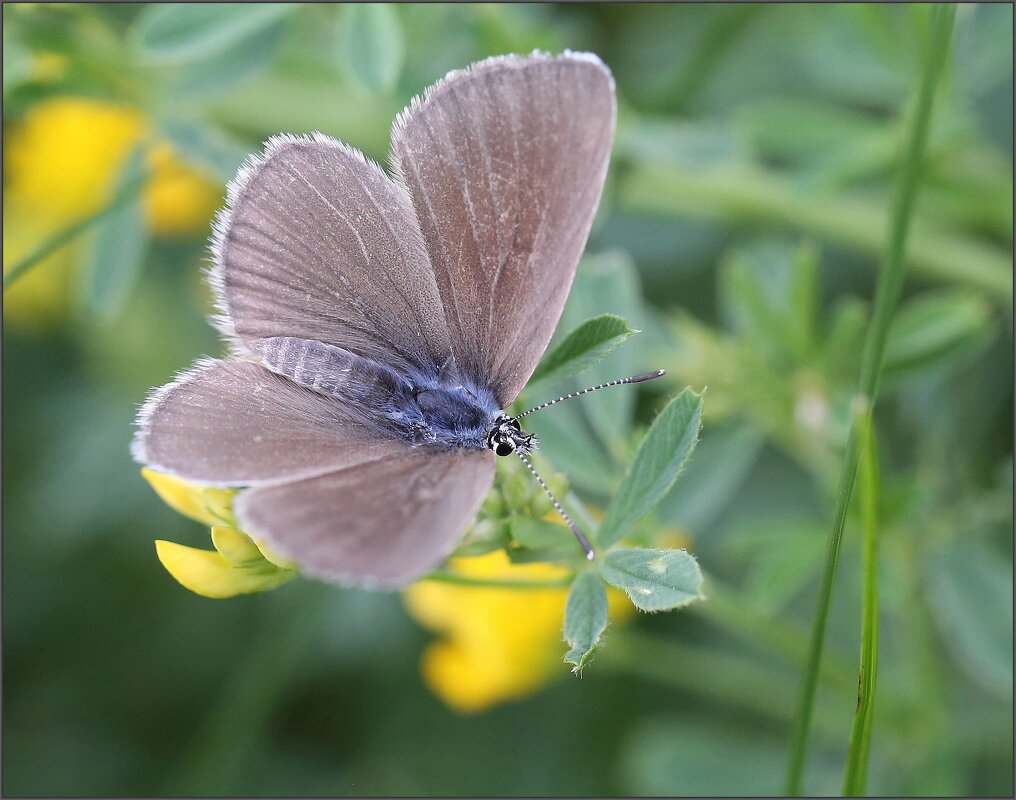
{"type": "Point", "coordinates": [856, 772]}
{"type": "Point", "coordinates": [71, 232]}
{"type": "Point", "coordinates": [887, 292]}
{"type": "Point", "coordinates": [752, 196]}
{"type": "Point", "coordinates": [447, 576]}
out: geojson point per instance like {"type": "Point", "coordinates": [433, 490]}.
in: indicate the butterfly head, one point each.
{"type": "Point", "coordinates": [506, 437]}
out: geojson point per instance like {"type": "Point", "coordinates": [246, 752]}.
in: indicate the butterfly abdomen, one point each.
{"type": "Point", "coordinates": [333, 371]}
{"type": "Point", "coordinates": [422, 409]}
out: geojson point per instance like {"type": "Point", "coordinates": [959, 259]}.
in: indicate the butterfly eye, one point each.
{"type": "Point", "coordinates": [504, 448]}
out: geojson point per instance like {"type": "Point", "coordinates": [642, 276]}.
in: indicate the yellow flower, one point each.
{"type": "Point", "coordinates": [61, 162]}
{"type": "Point", "coordinates": [208, 505]}
{"type": "Point", "coordinates": [238, 565]}
{"type": "Point", "coordinates": [498, 644]}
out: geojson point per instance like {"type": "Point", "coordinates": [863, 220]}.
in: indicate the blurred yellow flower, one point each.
{"type": "Point", "coordinates": [178, 200]}
{"type": "Point", "coordinates": [63, 157]}
{"type": "Point", "coordinates": [60, 164]}
{"type": "Point", "coordinates": [498, 644]}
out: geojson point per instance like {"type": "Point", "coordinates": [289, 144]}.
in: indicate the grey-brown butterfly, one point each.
{"type": "Point", "coordinates": [380, 323]}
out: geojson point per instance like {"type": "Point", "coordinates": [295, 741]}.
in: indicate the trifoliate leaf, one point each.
{"type": "Point", "coordinates": [582, 348]}
{"type": "Point", "coordinates": [657, 463]}
{"type": "Point", "coordinates": [654, 580]}
{"type": "Point", "coordinates": [585, 619]}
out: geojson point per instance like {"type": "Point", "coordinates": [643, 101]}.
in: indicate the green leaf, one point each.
{"type": "Point", "coordinates": [934, 330]}
{"type": "Point", "coordinates": [585, 619]}
{"type": "Point", "coordinates": [969, 590]}
{"type": "Point", "coordinates": [226, 67]}
{"type": "Point", "coordinates": [779, 556]}
{"type": "Point", "coordinates": [191, 31]}
{"type": "Point", "coordinates": [540, 540]}
{"type": "Point", "coordinates": [538, 533]}
{"type": "Point", "coordinates": [698, 147]}
{"type": "Point", "coordinates": [580, 349]}
{"type": "Point", "coordinates": [855, 774]}
{"type": "Point", "coordinates": [743, 195]}
{"type": "Point", "coordinates": [117, 249]}
{"type": "Point", "coordinates": [841, 349]}
{"type": "Point", "coordinates": [710, 483]}
{"type": "Point", "coordinates": [889, 285]}
{"type": "Point", "coordinates": [668, 756]}
{"type": "Point", "coordinates": [770, 292]}
{"type": "Point", "coordinates": [17, 59]}
{"type": "Point", "coordinates": [205, 147]}
{"type": "Point", "coordinates": [654, 580]}
{"type": "Point", "coordinates": [371, 45]}
{"type": "Point", "coordinates": [485, 536]}
{"type": "Point", "coordinates": [803, 297]}
{"type": "Point", "coordinates": [794, 129]}
{"type": "Point", "coordinates": [608, 283]}
{"type": "Point", "coordinates": [657, 463]}
{"type": "Point", "coordinates": [573, 442]}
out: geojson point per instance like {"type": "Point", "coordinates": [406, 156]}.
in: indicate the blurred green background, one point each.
{"type": "Point", "coordinates": [745, 210]}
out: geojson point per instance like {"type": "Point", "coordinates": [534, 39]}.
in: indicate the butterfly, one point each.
{"type": "Point", "coordinates": [379, 324]}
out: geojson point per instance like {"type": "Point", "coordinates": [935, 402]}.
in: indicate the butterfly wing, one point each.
{"type": "Point", "coordinates": [318, 243]}
{"type": "Point", "coordinates": [505, 164]}
{"type": "Point", "coordinates": [329, 490]}
{"type": "Point", "coordinates": [383, 522]}
{"type": "Point", "coordinates": [236, 423]}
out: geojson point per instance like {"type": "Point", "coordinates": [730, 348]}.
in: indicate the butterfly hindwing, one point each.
{"type": "Point", "coordinates": [236, 423]}
{"type": "Point", "coordinates": [384, 522]}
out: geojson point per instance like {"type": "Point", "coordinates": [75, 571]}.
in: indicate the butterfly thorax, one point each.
{"type": "Point", "coordinates": [417, 405]}
{"type": "Point", "coordinates": [454, 414]}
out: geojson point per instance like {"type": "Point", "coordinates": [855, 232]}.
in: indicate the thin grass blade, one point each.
{"type": "Point", "coordinates": [887, 293]}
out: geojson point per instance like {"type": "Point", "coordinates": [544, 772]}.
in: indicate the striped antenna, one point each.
{"type": "Point", "coordinates": [649, 376]}
{"type": "Point", "coordinates": [564, 514]}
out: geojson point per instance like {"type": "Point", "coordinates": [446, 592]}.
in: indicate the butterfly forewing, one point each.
{"type": "Point", "coordinates": [318, 243]}
{"type": "Point", "coordinates": [384, 522]}
{"type": "Point", "coordinates": [505, 164]}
